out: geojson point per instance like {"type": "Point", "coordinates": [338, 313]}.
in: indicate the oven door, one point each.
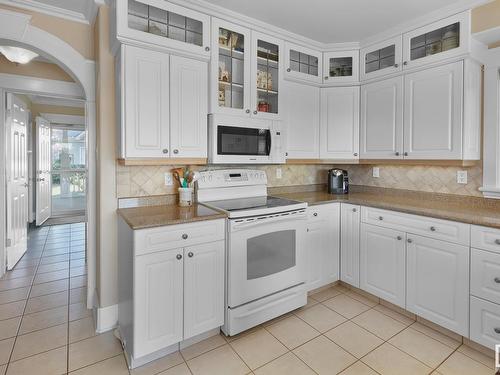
{"type": "Point", "coordinates": [265, 255]}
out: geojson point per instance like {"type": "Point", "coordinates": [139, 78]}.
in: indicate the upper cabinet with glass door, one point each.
{"type": "Point", "coordinates": [381, 58]}
{"type": "Point", "coordinates": [341, 67]}
{"type": "Point", "coordinates": [440, 40]}
{"type": "Point", "coordinates": [303, 64]}
{"type": "Point", "coordinates": [230, 75]}
{"type": "Point", "coordinates": [160, 23]}
{"type": "Point", "coordinates": [267, 75]}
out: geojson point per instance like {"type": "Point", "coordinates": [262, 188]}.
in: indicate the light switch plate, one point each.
{"type": "Point", "coordinates": [278, 173]}
{"type": "Point", "coordinates": [376, 172]}
{"type": "Point", "coordinates": [169, 179]}
{"type": "Point", "coordinates": [462, 177]}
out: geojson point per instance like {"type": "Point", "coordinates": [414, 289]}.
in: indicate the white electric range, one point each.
{"type": "Point", "coordinates": [265, 244]}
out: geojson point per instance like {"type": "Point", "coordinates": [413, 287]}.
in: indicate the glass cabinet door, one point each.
{"type": "Point", "coordinates": [168, 24]}
{"type": "Point", "coordinates": [303, 63]}
{"type": "Point", "coordinates": [231, 62]}
{"type": "Point", "coordinates": [341, 66]}
{"type": "Point", "coordinates": [266, 75]}
{"type": "Point", "coordinates": [381, 58]}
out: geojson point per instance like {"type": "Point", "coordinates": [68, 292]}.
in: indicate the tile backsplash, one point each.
{"type": "Point", "coordinates": [141, 181]}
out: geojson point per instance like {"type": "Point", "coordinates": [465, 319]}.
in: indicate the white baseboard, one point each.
{"type": "Point", "coordinates": [106, 318]}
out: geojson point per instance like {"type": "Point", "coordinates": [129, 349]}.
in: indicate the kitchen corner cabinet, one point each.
{"type": "Point", "coordinates": [323, 226]}
{"type": "Point", "coordinates": [303, 64]}
{"type": "Point", "coordinates": [171, 286]}
{"type": "Point", "coordinates": [162, 106]}
{"type": "Point", "coordinates": [349, 243]}
{"type": "Point", "coordinates": [382, 269]}
{"type": "Point", "coordinates": [341, 67]}
{"type": "Point", "coordinates": [339, 123]}
{"type": "Point", "coordinates": [438, 282]}
{"type": "Point", "coordinates": [302, 119]}
{"type": "Point", "coordinates": [164, 25]}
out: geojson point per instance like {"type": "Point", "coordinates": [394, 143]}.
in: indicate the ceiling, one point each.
{"type": "Point", "coordinates": [330, 21]}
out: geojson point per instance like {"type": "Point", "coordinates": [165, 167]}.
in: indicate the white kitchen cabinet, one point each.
{"type": "Point", "coordinates": [381, 58]}
{"type": "Point", "coordinates": [164, 25]}
{"type": "Point", "coordinates": [323, 231]}
{"type": "Point", "coordinates": [341, 67]}
{"type": "Point", "coordinates": [302, 120]}
{"type": "Point", "coordinates": [484, 322]}
{"type": "Point", "coordinates": [382, 119]}
{"type": "Point", "coordinates": [163, 105]}
{"type": "Point", "coordinates": [303, 64]}
{"type": "Point", "coordinates": [349, 243]}
{"type": "Point", "coordinates": [203, 288]}
{"type": "Point", "coordinates": [339, 123]}
{"type": "Point", "coordinates": [158, 303]}
{"type": "Point", "coordinates": [382, 269]}
{"type": "Point", "coordinates": [145, 97]}
{"type": "Point", "coordinates": [433, 113]}
{"type": "Point", "coordinates": [438, 282]}
{"type": "Point", "coordinates": [485, 275]}
{"type": "Point", "coordinates": [441, 40]}
{"type": "Point", "coordinates": [188, 107]}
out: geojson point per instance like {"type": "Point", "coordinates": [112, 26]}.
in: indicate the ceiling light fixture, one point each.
{"type": "Point", "coordinates": [17, 55]}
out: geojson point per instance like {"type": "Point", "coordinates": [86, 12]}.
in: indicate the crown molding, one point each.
{"type": "Point", "coordinates": [62, 102]}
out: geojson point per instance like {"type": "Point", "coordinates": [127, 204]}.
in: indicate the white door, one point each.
{"type": "Point", "coordinates": [302, 121]}
{"type": "Point", "coordinates": [188, 107]}
{"type": "Point", "coordinates": [43, 168]}
{"type": "Point", "coordinates": [203, 288]}
{"type": "Point", "coordinates": [382, 119]}
{"type": "Point", "coordinates": [158, 309]}
{"type": "Point", "coordinates": [17, 180]}
{"type": "Point", "coordinates": [438, 282]}
{"type": "Point", "coordinates": [322, 249]}
{"type": "Point", "coordinates": [339, 123]}
{"type": "Point", "coordinates": [146, 95]}
{"type": "Point", "coordinates": [433, 113]}
{"type": "Point", "coordinates": [383, 263]}
{"type": "Point", "coordinates": [349, 244]}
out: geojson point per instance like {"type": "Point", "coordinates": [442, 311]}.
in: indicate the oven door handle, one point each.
{"type": "Point", "coordinates": [266, 220]}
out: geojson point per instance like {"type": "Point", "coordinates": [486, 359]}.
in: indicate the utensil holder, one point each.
{"type": "Point", "coordinates": [185, 197]}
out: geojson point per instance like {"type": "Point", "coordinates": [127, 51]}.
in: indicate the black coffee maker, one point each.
{"type": "Point", "coordinates": [338, 181]}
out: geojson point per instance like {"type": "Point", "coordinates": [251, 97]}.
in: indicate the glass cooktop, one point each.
{"type": "Point", "coordinates": [243, 204]}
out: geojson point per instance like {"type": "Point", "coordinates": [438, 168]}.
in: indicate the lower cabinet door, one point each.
{"type": "Point", "coordinates": [322, 245]}
{"type": "Point", "coordinates": [203, 288]}
{"type": "Point", "coordinates": [158, 301]}
{"type": "Point", "coordinates": [484, 322]}
{"type": "Point", "coordinates": [349, 244]}
{"type": "Point", "coordinates": [438, 282]}
{"type": "Point", "coordinates": [383, 263]}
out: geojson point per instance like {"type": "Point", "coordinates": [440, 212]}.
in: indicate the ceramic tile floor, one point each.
{"type": "Point", "coordinates": [46, 329]}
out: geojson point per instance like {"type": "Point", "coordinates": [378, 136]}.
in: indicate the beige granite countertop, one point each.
{"type": "Point", "coordinates": [469, 210]}
{"type": "Point", "coordinates": [157, 216]}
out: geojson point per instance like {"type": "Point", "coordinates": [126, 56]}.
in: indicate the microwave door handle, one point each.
{"type": "Point", "coordinates": [269, 140]}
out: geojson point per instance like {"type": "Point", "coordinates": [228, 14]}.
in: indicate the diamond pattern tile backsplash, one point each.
{"type": "Point", "coordinates": [140, 181]}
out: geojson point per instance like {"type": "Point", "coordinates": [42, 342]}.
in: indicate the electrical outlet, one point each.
{"type": "Point", "coordinates": [461, 177]}
{"type": "Point", "coordinates": [278, 173]}
{"type": "Point", "coordinates": [169, 179]}
{"type": "Point", "coordinates": [376, 172]}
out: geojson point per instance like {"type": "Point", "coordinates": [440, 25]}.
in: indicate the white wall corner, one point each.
{"type": "Point", "coordinates": [106, 318]}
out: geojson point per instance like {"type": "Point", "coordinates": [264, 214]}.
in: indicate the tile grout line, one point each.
{"type": "Point", "coordinates": [68, 308]}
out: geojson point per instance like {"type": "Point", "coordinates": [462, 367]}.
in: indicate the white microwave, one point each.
{"type": "Point", "coordinates": [245, 140]}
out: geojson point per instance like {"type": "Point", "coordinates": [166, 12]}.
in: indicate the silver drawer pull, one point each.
{"type": "Point", "coordinates": [179, 256]}
{"type": "Point", "coordinates": [433, 229]}
{"type": "Point", "coordinates": [354, 210]}
{"type": "Point", "coordinates": [380, 218]}
{"type": "Point", "coordinates": [399, 238]}
{"type": "Point", "coordinates": [497, 241]}
{"type": "Point", "coordinates": [184, 236]}
{"type": "Point", "coordinates": [497, 330]}
{"type": "Point", "coordinates": [315, 214]}
{"type": "Point", "coordinates": [497, 280]}
{"type": "Point", "coordinates": [410, 240]}
{"type": "Point", "coordinates": [190, 254]}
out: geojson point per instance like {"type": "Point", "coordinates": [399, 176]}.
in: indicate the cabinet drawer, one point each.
{"type": "Point", "coordinates": [176, 236]}
{"type": "Point", "coordinates": [484, 322]}
{"type": "Point", "coordinates": [436, 228]}
{"type": "Point", "coordinates": [319, 212]}
{"type": "Point", "coordinates": [485, 275]}
{"type": "Point", "coordinates": [485, 238]}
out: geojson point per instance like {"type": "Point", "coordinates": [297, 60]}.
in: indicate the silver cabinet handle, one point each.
{"type": "Point", "coordinates": [165, 151]}
{"type": "Point", "coordinates": [497, 241]}
{"type": "Point", "coordinates": [410, 240]}
{"type": "Point", "coordinates": [497, 280]}
{"type": "Point", "coordinates": [207, 49]}
{"type": "Point", "coordinates": [399, 238]}
{"type": "Point", "coordinates": [247, 111]}
{"type": "Point", "coordinates": [354, 210]}
{"type": "Point", "coordinates": [497, 330]}
{"type": "Point", "coordinates": [433, 229]}
{"type": "Point", "coordinates": [405, 63]}
{"type": "Point", "coordinates": [176, 151]}
{"type": "Point", "coordinates": [406, 154]}
{"type": "Point", "coordinates": [190, 254]}
{"type": "Point", "coordinates": [397, 153]}
{"type": "Point", "coordinates": [355, 154]}
{"type": "Point", "coordinates": [396, 65]}
{"type": "Point", "coordinates": [178, 256]}
{"type": "Point", "coordinates": [380, 218]}
{"type": "Point", "coordinates": [255, 112]}
{"type": "Point", "coordinates": [315, 214]}
{"type": "Point", "coordinates": [326, 77]}
{"type": "Point", "coordinates": [289, 70]}
{"type": "Point", "coordinates": [184, 236]}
